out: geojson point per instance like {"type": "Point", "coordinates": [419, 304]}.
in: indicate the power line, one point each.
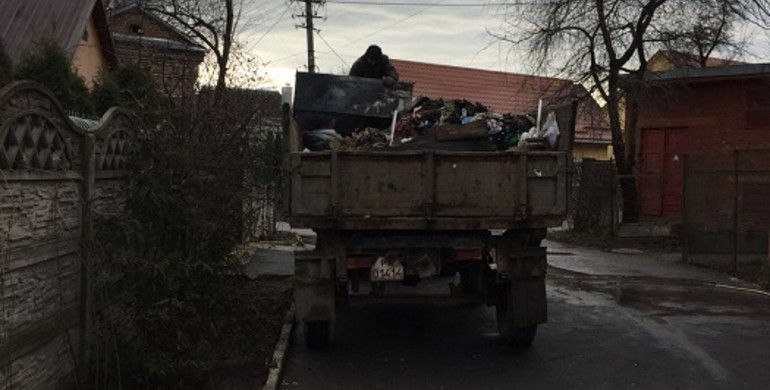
{"type": "Point", "coordinates": [331, 48]}
{"type": "Point", "coordinates": [416, 4]}
{"type": "Point", "coordinates": [277, 20]}
{"type": "Point", "coordinates": [431, 5]}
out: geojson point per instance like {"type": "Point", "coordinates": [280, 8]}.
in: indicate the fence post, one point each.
{"type": "Point", "coordinates": [735, 210]}
{"type": "Point", "coordinates": [613, 202]}
{"type": "Point", "coordinates": [86, 247]}
{"type": "Point", "coordinates": [685, 231]}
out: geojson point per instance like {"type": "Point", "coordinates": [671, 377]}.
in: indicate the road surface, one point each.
{"type": "Point", "coordinates": [604, 332]}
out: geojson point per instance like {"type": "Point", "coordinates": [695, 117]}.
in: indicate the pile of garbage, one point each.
{"type": "Point", "coordinates": [445, 124]}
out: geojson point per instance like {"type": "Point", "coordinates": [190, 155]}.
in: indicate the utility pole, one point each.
{"type": "Point", "coordinates": [308, 26]}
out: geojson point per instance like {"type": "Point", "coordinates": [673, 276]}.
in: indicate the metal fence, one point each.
{"type": "Point", "coordinates": [593, 203]}
{"type": "Point", "coordinates": [726, 215]}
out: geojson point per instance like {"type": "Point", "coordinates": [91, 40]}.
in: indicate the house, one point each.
{"type": "Point", "coordinates": [80, 28]}
{"type": "Point", "coordinates": [671, 59]}
{"type": "Point", "coordinates": [696, 110]}
{"type": "Point", "coordinates": [144, 39]}
{"type": "Point", "coordinates": [510, 92]}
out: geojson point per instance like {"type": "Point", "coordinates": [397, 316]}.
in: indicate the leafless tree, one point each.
{"type": "Point", "coordinates": [605, 44]}
{"type": "Point", "coordinates": [212, 23]}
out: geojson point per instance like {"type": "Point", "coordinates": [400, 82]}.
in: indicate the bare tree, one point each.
{"type": "Point", "coordinates": [697, 33]}
{"type": "Point", "coordinates": [212, 23]}
{"type": "Point", "coordinates": [605, 44]}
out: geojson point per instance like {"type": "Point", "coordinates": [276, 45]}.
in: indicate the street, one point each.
{"type": "Point", "coordinates": [604, 332]}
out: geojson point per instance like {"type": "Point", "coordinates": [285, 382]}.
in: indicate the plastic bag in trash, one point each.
{"type": "Point", "coordinates": [532, 133]}
{"type": "Point", "coordinates": [550, 130]}
{"type": "Point", "coordinates": [319, 139]}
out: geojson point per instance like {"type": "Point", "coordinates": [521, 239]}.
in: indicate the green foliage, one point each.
{"type": "Point", "coordinates": [130, 87]}
{"type": "Point", "coordinates": [51, 66]}
{"type": "Point", "coordinates": [6, 66]}
{"type": "Point", "coordinates": [185, 201]}
{"type": "Point", "coordinates": [105, 93]}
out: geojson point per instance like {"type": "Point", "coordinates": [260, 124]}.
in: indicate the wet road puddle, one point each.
{"type": "Point", "coordinates": [665, 297]}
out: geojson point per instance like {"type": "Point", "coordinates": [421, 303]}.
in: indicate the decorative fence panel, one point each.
{"type": "Point", "coordinates": [54, 174]}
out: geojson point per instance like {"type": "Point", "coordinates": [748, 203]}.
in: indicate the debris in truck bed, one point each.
{"type": "Point", "coordinates": [368, 137]}
{"type": "Point", "coordinates": [319, 139]}
{"type": "Point", "coordinates": [443, 124]}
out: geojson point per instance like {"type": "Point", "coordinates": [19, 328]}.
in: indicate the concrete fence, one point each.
{"type": "Point", "coordinates": [56, 173]}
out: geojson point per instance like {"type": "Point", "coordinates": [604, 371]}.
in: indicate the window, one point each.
{"type": "Point", "coordinates": [137, 29]}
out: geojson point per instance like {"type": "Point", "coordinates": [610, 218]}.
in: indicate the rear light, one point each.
{"type": "Point", "coordinates": [469, 254]}
{"type": "Point", "coordinates": [359, 262]}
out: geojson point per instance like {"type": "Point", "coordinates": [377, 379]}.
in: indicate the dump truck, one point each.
{"type": "Point", "coordinates": [400, 215]}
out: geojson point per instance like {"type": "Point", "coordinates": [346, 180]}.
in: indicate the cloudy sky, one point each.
{"type": "Point", "coordinates": [447, 32]}
{"type": "Point", "coordinates": [453, 32]}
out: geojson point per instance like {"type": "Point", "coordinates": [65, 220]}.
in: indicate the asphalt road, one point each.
{"type": "Point", "coordinates": [604, 332]}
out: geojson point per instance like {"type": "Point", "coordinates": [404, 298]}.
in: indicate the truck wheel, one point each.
{"type": "Point", "coordinates": [519, 337]}
{"type": "Point", "coordinates": [472, 279]}
{"type": "Point", "coordinates": [318, 334]}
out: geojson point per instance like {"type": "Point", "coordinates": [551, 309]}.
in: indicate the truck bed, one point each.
{"type": "Point", "coordinates": [396, 189]}
{"type": "Point", "coordinates": [415, 190]}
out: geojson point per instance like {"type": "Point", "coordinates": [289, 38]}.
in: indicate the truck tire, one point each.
{"type": "Point", "coordinates": [472, 279]}
{"type": "Point", "coordinates": [515, 336]}
{"type": "Point", "coordinates": [318, 334]}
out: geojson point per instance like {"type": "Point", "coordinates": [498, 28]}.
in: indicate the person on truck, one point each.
{"type": "Point", "coordinates": [375, 65]}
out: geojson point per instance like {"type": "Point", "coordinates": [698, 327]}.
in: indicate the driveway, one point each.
{"type": "Point", "coordinates": [616, 321]}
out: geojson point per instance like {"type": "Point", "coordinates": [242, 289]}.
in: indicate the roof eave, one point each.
{"type": "Point", "coordinates": [159, 20]}
{"type": "Point", "coordinates": [709, 73]}
{"type": "Point", "coordinates": [102, 26]}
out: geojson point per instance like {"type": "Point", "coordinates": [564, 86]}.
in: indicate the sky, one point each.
{"type": "Point", "coordinates": [447, 32]}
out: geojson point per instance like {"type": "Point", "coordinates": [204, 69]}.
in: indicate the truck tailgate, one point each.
{"type": "Point", "coordinates": [427, 189]}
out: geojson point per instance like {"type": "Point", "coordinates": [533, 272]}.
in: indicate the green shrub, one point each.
{"type": "Point", "coordinates": [105, 93]}
{"type": "Point", "coordinates": [51, 66]}
{"type": "Point", "coordinates": [6, 66]}
{"type": "Point", "coordinates": [132, 88]}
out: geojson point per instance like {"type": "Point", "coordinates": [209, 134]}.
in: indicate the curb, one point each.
{"type": "Point", "coordinates": [280, 352]}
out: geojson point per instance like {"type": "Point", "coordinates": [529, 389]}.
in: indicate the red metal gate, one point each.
{"type": "Point", "coordinates": [660, 164]}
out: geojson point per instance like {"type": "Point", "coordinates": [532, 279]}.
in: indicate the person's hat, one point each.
{"type": "Point", "coordinates": [373, 52]}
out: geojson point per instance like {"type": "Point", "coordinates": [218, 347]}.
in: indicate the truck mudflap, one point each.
{"type": "Point", "coordinates": [314, 286]}
{"type": "Point", "coordinates": [520, 292]}
{"type": "Point", "coordinates": [521, 306]}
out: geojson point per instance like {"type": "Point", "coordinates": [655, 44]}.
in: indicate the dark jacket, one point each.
{"type": "Point", "coordinates": [382, 68]}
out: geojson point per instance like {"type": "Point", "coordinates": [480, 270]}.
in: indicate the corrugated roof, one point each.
{"type": "Point", "coordinates": [500, 91]}
{"type": "Point", "coordinates": [23, 22]}
{"type": "Point", "coordinates": [84, 123]}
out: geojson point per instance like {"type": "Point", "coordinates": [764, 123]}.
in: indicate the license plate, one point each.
{"type": "Point", "coordinates": [383, 271]}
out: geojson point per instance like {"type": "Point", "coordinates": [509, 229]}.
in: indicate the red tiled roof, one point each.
{"type": "Point", "coordinates": [500, 91]}
{"type": "Point", "coordinates": [504, 92]}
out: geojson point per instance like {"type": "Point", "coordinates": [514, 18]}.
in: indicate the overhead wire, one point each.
{"type": "Point", "coordinates": [424, 3]}
{"type": "Point", "coordinates": [318, 32]}
{"type": "Point", "coordinates": [393, 24]}
{"type": "Point", "coordinates": [277, 20]}
{"type": "Point", "coordinates": [426, 6]}
{"type": "Point", "coordinates": [414, 4]}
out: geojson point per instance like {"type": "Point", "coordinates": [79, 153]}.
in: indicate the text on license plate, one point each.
{"type": "Point", "coordinates": [382, 271]}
